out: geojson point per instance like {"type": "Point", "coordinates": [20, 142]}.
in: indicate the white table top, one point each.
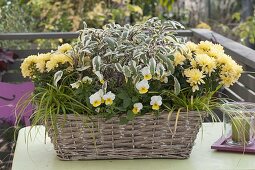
{"type": "Point", "coordinates": [33, 154]}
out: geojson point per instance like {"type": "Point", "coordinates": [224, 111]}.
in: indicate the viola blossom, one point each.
{"type": "Point", "coordinates": [95, 99]}
{"type": "Point", "coordinates": [85, 79]}
{"type": "Point", "coordinates": [137, 108]}
{"type": "Point", "coordinates": [100, 77]}
{"type": "Point", "coordinates": [142, 86]}
{"type": "Point", "coordinates": [156, 102]}
{"type": "Point", "coordinates": [146, 73]}
{"type": "Point", "coordinates": [108, 98]}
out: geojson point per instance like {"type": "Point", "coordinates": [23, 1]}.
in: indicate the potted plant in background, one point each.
{"type": "Point", "coordinates": [125, 92]}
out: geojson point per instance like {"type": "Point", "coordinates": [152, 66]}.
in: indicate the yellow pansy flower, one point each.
{"type": "Point", "coordinates": [108, 98]}
{"type": "Point", "coordinates": [146, 73]}
{"type": "Point", "coordinates": [95, 99]}
{"type": "Point", "coordinates": [156, 102]}
{"type": "Point", "coordinates": [137, 108]}
{"type": "Point", "coordinates": [142, 86]}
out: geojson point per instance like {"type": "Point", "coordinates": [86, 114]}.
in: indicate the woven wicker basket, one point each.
{"type": "Point", "coordinates": [145, 137]}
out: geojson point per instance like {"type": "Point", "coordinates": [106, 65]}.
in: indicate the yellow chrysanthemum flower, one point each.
{"type": "Point", "coordinates": [207, 63]}
{"type": "Point", "coordinates": [179, 58]}
{"type": "Point", "coordinates": [192, 46]}
{"type": "Point", "coordinates": [203, 25]}
{"type": "Point", "coordinates": [41, 61]}
{"type": "Point", "coordinates": [224, 59]}
{"type": "Point", "coordinates": [195, 78]}
{"type": "Point", "coordinates": [64, 48]}
{"type": "Point", "coordinates": [27, 64]}
{"type": "Point", "coordinates": [204, 46]}
{"type": "Point", "coordinates": [57, 59]}
{"type": "Point", "coordinates": [218, 48]}
{"type": "Point", "coordinates": [227, 80]}
{"type": "Point", "coordinates": [214, 53]}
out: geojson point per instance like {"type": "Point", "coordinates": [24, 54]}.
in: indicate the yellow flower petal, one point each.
{"type": "Point", "coordinates": [96, 103]}
{"type": "Point", "coordinates": [135, 110]}
{"type": "Point", "coordinates": [155, 106]}
{"type": "Point", "coordinates": [147, 76]}
{"type": "Point", "coordinates": [143, 90]}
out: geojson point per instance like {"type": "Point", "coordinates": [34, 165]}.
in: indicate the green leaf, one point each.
{"type": "Point", "coordinates": [96, 62]}
{"type": "Point", "coordinates": [83, 68]}
{"type": "Point", "coordinates": [177, 87]}
{"type": "Point", "coordinates": [135, 99]}
{"type": "Point", "coordinates": [127, 71]}
{"type": "Point", "coordinates": [111, 42]}
{"type": "Point", "coordinates": [133, 67]}
{"type": "Point", "coordinates": [127, 102]}
{"type": "Point", "coordinates": [130, 115]}
{"type": "Point", "coordinates": [57, 76]}
{"type": "Point", "coordinates": [152, 64]}
{"type": "Point", "coordinates": [122, 95]}
{"type": "Point", "coordinates": [118, 67]}
{"type": "Point", "coordinates": [170, 65]}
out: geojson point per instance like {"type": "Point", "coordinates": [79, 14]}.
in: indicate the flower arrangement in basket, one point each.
{"type": "Point", "coordinates": [125, 92]}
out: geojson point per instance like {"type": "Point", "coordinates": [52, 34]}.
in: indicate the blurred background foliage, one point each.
{"type": "Point", "coordinates": [232, 18]}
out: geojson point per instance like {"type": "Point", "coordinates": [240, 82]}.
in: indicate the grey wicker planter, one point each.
{"type": "Point", "coordinates": [145, 137]}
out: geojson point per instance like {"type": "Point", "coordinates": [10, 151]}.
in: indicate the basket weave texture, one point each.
{"type": "Point", "coordinates": [146, 136]}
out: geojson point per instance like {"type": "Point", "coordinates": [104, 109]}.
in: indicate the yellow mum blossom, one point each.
{"type": "Point", "coordinates": [193, 63]}
{"type": "Point", "coordinates": [64, 48]}
{"type": "Point", "coordinates": [204, 46]}
{"type": "Point", "coordinates": [218, 48]}
{"type": "Point", "coordinates": [57, 59]}
{"type": "Point", "coordinates": [27, 64]}
{"type": "Point", "coordinates": [203, 25]}
{"type": "Point", "coordinates": [192, 46]}
{"type": "Point", "coordinates": [214, 53]}
{"type": "Point", "coordinates": [179, 58]}
{"type": "Point", "coordinates": [227, 80]}
{"type": "Point", "coordinates": [207, 63]}
{"type": "Point", "coordinates": [224, 59]}
{"type": "Point", "coordinates": [41, 61]}
{"type": "Point", "coordinates": [195, 78]}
